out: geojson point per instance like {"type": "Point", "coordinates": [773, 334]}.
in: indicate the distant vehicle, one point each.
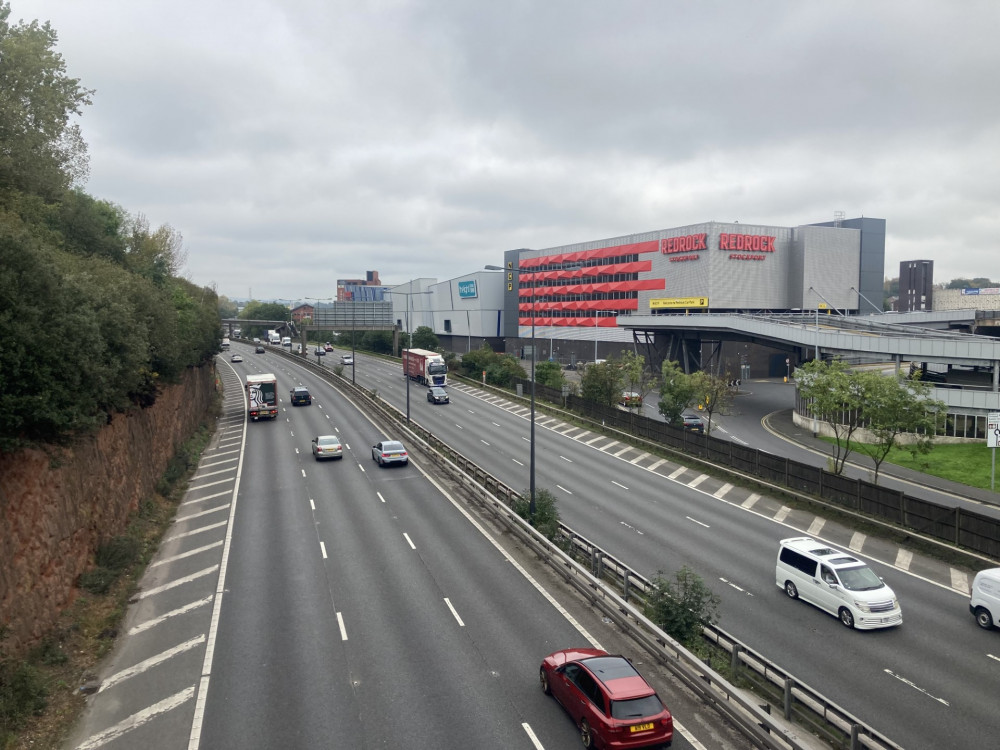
{"type": "Point", "coordinates": [237, 333]}
{"type": "Point", "coordinates": [327, 446]}
{"type": "Point", "coordinates": [438, 395]}
{"type": "Point", "coordinates": [984, 604]}
{"type": "Point", "coordinates": [225, 343]}
{"type": "Point", "coordinates": [236, 358]}
{"type": "Point", "coordinates": [693, 423]}
{"type": "Point", "coordinates": [273, 337]}
{"type": "Point", "coordinates": [319, 351]}
{"type": "Point", "coordinates": [300, 396]}
{"type": "Point", "coordinates": [631, 399]}
{"type": "Point", "coordinates": [389, 452]}
{"type": "Point", "coordinates": [262, 391]}
{"type": "Point", "coordinates": [287, 341]}
{"type": "Point", "coordinates": [609, 701]}
{"type": "Point", "coordinates": [258, 350]}
{"type": "Point", "coordinates": [256, 340]}
{"type": "Point", "coordinates": [426, 367]}
{"type": "Point", "coordinates": [327, 347]}
{"type": "Point", "coordinates": [347, 359]}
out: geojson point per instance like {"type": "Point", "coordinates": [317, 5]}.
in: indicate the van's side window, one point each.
{"type": "Point", "coordinates": [799, 561]}
{"type": "Point", "coordinates": [828, 575]}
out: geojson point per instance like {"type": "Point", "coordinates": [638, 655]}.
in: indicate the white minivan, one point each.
{"type": "Point", "coordinates": [985, 601]}
{"type": "Point", "coordinates": [836, 582]}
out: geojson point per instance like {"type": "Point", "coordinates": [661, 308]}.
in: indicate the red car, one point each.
{"type": "Point", "coordinates": [606, 697]}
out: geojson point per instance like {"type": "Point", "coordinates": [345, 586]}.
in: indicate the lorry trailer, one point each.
{"type": "Point", "coordinates": [262, 393]}
{"type": "Point", "coordinates": [426, 367]}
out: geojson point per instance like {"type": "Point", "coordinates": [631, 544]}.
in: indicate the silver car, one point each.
{"type": "Point", "coordinates": [327, 446]}
{"type": "Point", "coordinates": [389, 452]}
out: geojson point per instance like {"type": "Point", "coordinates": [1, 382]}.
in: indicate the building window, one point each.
{"type": "Point", "coordinates": [447, 326]}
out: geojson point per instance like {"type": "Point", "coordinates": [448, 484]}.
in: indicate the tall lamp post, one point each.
{"type": "Point", "coordinates": [408, 342]}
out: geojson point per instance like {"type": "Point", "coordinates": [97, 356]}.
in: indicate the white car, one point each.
{"type": "Point", "coordinates": [347, 359]}
{"type": "Point", "coordinates": [236, 358]}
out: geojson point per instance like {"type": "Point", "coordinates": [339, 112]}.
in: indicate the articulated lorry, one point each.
{"type": "Point", "coordinates": [262, 392]}
{"type": "Point", "coordinates": [425, 367]}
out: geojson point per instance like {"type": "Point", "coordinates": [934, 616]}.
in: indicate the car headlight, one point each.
{"type": "Point", "coordinates": [863, 606]}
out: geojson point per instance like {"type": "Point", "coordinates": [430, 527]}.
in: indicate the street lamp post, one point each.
{"type": "Point", "coordinates": [408, 345]}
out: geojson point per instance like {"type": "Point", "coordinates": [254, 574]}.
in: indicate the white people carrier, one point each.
{"type": "Point", "coordinates": [836, 582]}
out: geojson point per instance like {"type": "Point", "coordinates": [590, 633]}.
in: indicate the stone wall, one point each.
{"type": "Point", "coordinates": [58, 504]}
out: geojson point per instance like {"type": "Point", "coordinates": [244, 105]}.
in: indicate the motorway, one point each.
{"type": "Point", "coordinates": [930, 683]}
{"type": "Point", "coordinates": [304, 604]}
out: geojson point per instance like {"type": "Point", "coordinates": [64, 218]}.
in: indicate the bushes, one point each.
{"type": "Point", "coordinates": [546, 519]}
{"type": "Point", "coordinates": [682, 606]}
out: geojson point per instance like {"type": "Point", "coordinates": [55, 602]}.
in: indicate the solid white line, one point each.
{"type": "Point", "coordinates": [137, 720]}
{"type": "Point", "coordinates": [448, 602]}
{"type": "Point", "coordinates": [167, 615]}
{"type": "Point", "coordinates": [179, 582]}
{"type": "Point", "coordinates": [150, 662]}
{"type": "Point", "coordinates": [182, 555]}
{"type": "Point", "coordinates": [914, 686]}
{"type": "Point", "coordinates": [343, 628]}
{"type": "Point", "coordinates": [686, 734]}
{"type": "Point", "coordinates": [409, 541]}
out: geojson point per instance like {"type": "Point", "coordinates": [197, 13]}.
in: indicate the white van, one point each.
{"type": "Point", "coordinates": [836, 582]}
{"type": "Point", "coordinates": [985, 601]}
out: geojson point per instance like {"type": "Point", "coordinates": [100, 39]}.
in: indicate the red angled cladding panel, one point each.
{"type": "Point", "coordinates": [635, 248]}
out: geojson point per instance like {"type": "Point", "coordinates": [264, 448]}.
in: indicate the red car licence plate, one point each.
{"type": "Point", "coordinates": [641, 727]}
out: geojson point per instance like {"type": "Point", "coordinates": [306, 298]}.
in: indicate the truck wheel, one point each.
{"type": "Point", "coordinates": [983, 618]}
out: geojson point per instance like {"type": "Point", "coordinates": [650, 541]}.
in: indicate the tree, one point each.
{"type": "Point", "coordinates": [550, 374]}
{"type": "Point", "coordinates": [893, 407]}
{"type": "Point", "coordinates": [546, 519]}
{"type": "Point", "coordinates": [602, 382]}
{"type": "Point", "coordinates": [634, 375]}
{"type": "Point", "coordinates": [682, 607]}
{"type": "Point", "coordinates": [43, 151]}
{"type": "Point", "coordinates": [424, 338]}
{"type": "Point", "coordinates": [677, 392]}
{"type": "Point", "coordinates": [714, 394]}
{"type": "Point", "coordinates": [227, 308]}
{"type": "Point", "coordinates": [834, 397]}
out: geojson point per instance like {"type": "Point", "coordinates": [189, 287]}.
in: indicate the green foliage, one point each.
{"type": "Point", "coordinates": [119, 553]}
{"type": "Point", "coordinates": [425, 338]}
{"type": "Point", "coordinates": [501, 369]}
{"type": "Point", "coordinates": [550, 374]}
{"type": "Point", "coordinates": [677, 392]}
{"type": "Point", "coordinates": [43, 152]}
{"type": "Point", "coordinates": [473, 363]}
{"type": "Point", "coordinates": [683, 606]}
{"type": "Point", "coordinates": [379, 342]}
{"type": "Point", "coordinates": [602, 382]}
{"type": "Point", "coordinates": [546, 518]}
{"type": "Point", "coordinates": [22, 695]}
{"type": "Point", "coordinates": [713, 393]}
{"type": "Point", "coordinates": [834, 397]}
{"type": "Point", "coordinates": [229, 309]}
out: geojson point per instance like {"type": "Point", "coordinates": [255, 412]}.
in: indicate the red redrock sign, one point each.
{"type": "Point", "coordinates": [686, 244]}
{"type": "Point", "coordinates": [751, 242]}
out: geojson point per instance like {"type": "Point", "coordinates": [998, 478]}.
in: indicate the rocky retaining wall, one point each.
{"type": "Point", "coordinates": [58, 504]}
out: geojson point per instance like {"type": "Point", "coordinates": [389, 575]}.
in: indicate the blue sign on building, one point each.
{"type": "Point", "coordinates": [467, 289]}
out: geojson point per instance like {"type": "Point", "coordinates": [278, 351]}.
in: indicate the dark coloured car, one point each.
{"type": "Point", "coordinates": [437, 395]}
{"type": "Point", "coordinates": [320, 351]}
{"type": "Point", "coordinates": [693, 422]}
{"type": "Point", "coordinates": [259, 350]}
{"type": "Point", "coordinates": [610, 702]}
{"type": "Point", "coordinates": [327, 446]}
{"type": "Point", "coordinates": [301, 396]}
{"type": "Point", "coordinates": [389, 452]}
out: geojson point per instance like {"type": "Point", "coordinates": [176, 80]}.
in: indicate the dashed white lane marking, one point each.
{"type": "Point", "coordinates": [150, 662]}
{"type": "Point", "coordinates": [620, 485]}
{"type": "Point", "coordinates": [559, 486]}
{"type": "Point", "coordinates": [782, 513]}
{"type": "Point", "coordinates": [322, 549]}
{"type": "Point", "coordinates": [182, 555]}
{"type": "Point", "coordinates": [857, 541]}
{"type": "Point", "coordinates": [695, 520]}
{"type": "Point", "coordinates": [343, 628]}
{"type": "Point", "coordinates": [914, 686]}
{"type": "Point", "coordinates": [454, 612]}
{"type": "Point", "coordinates": [960, 581]}
{"type": "Point", "coordinates": [566, 459]}
{"type": "Point", "coordinates": [137, 720]}
{"type": "Point", "coordinates": [903, 559]}
{"type": "Point", "coordinates": [179, 582]}
{"type": "Point", "coordinates": [534, 740]}
{"type": "Point", "coordinates": [409, 541]}
{"type": "Point", "coordinates": [697, 480]}
{"type": "Point", "coordinates": [751, 501]}
{"type": "Point", "coordinates": [816, 526]}
{"type": "Point", "coordinates": [167, 615]}
{"type": "Point", "coordinates": [380, 496]}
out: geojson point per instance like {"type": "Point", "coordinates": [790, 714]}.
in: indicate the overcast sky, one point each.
{"type": "Point", "coordinates": [297, 142]}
